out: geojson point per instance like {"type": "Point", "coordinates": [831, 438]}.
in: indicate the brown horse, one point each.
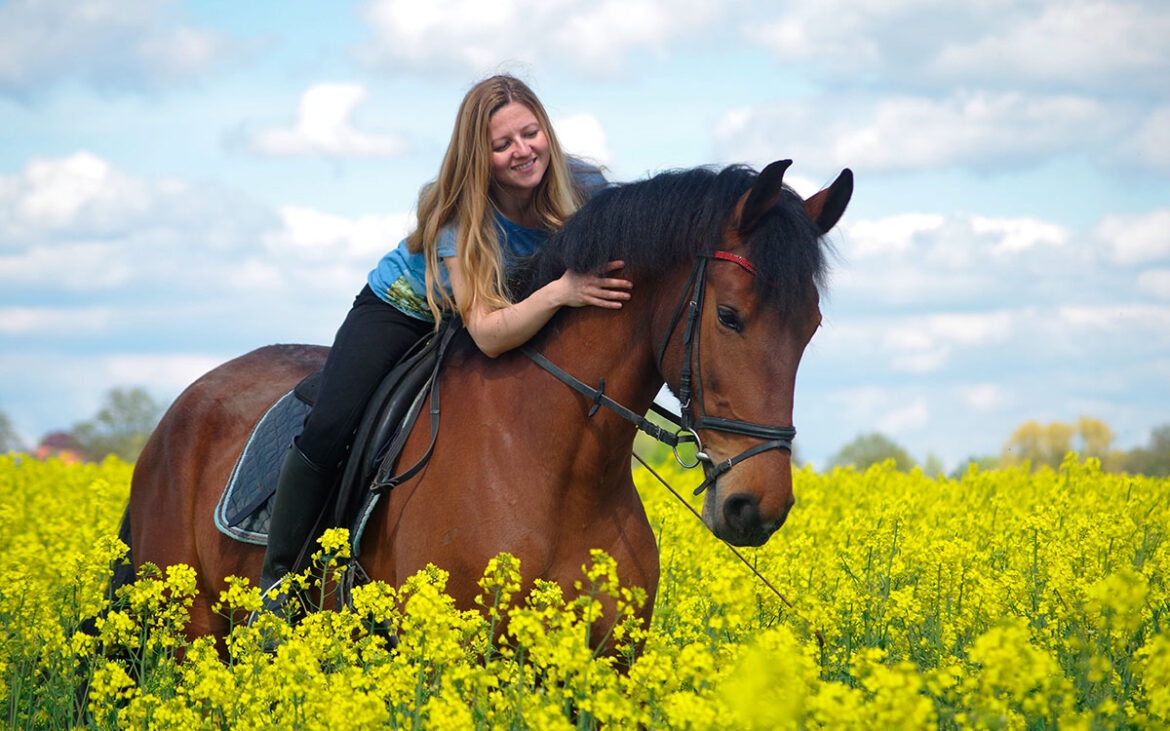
{"type": "Point", "coordinates": [726, 267]}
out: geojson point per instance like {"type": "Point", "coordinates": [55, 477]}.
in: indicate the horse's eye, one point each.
{"type": "Point", "coordinates": [729, 319]}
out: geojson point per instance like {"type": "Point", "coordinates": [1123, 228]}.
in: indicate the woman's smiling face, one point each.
{"type": "Point", "coordinates": [519, 149]}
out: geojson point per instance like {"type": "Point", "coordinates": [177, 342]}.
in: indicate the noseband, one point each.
{"type": "Point", "coordinates": [692, 418]}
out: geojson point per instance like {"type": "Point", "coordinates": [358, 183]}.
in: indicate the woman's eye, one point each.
{"type": "Point", "coordinates": [729, 319]}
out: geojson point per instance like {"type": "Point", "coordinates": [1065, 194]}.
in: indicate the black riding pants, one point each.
{"type": "Point", "coordinates": [369, 343]}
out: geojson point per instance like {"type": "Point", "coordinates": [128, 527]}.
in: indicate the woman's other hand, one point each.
{"type": "Point", "coordinates": [498, 331]}
{"type": "Point", "coordinates": [595, 289]}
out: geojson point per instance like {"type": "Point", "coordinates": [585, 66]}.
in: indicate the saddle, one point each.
{"type": "Point", "coordinates": [244, 508]}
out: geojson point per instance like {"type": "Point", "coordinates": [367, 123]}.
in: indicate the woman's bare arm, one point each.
{"type": "Point", "coordinates": [498, 331]}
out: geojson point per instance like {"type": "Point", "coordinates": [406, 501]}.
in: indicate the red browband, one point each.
{"type": "Point", "coordinates": [728, 256]}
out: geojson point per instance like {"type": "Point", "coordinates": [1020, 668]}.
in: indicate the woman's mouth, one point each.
{"type": "Point", "coordinates": [525, 167]}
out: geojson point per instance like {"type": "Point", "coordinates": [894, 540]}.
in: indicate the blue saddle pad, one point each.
{"type": "Point", "coordinates": [244, 508]}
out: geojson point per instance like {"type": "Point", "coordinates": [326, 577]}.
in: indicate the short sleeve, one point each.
{"type": "Point", "coordinates": [445, 244]}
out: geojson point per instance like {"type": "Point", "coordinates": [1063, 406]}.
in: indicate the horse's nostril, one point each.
{"type": "Point", "coordinates": [742, 511]}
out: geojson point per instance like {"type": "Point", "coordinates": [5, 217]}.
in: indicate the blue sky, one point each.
{"type": "Point", "coordinates": [183, 182]}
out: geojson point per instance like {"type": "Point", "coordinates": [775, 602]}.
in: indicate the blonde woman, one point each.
{"type": "Point", "coordinates": [504, 186]}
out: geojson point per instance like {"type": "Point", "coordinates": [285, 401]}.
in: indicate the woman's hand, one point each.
{"type": "Point", "coordinates": [594, 288]}
{"type": "Point", "coordinates": [498, 331]}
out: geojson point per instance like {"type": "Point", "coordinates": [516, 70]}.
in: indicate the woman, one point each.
{"type": "Point", "coordinates": [503, 187]}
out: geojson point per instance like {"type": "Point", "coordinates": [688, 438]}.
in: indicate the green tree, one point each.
{"type": "Point", "coordinates": [982, 463]}
{"type": "Point", "coordinates": [870, 449]}
{"type": "Point", "coordinates": [9, 439]}
{"type": "Point", "coordinates": [1047, 444]}
{"type": "Point", "coordinates": [1153, 460]}
{"type": "Point", "coordinates": [1094, 437]}
{"type": "Point", "coordinates": [1039, 444]}
{"type": "Point", "coordinates": [933, 466]}
{"type": "Point", "coordinates": [121, 427]}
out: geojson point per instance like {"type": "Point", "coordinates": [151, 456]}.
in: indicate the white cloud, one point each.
{"type": "Point", "coordinates": [971, 329]}
{"type": "Point", "coordinates": [1137, 239]}
{"type": "Point", "coordinates": [1149, 145]}
{"type": "Point", "coordinates": [921, 360]}
{"type": "Point", "coordinates": [1078, 45]}
{"type": "Point", "coordinates": [918, 84]}
{"type": "Point", "coordinates": [125, 45]}
{"type": "Point", "coordinates": [935, 296]}
{"type": "Point", "coordinates": [77, 191]}
{"type": "Point", "coordinates": [167, 373]}
{"type": "Point", "coordinates": [76, 229]}
{"type": "Point", "coordinates": [984, 397]}
{"type": "Point", "coordinates": [955, 261]}
{"type": "Point", "coordinates": [1155, 282]}
{"type": "Point", "coordinates": [911, 417]}
{"type": "Point", "coordinates": [316, 234]}
{"type": "Point", "coordinates": [893, 235]}
{"type": "Point", "coordinates": [924, 343]}
{"type": "Point", "coordinates": [323, 126]}
{"type": "Point", "coordinates": [977, 130]}
{"type": "Point", "coordinates": [582, 135]}
{"type": "Point", "coordinates": [77, 224]}
{"type": "Point", "coordinates": [863, 399]}
{"type": "Point", "coordinates": [846, 38]}
{"type": "Point", "coordinates": [72, 266]}
{"type": "Point", "coordinates": [477, 37]}
{"type": "Point", "coordinates": [892, 411]}
{"type": "Point", "coordinates": [1020, 234]}
{"type": "Point", "coordinates": [58, 391]}
{"type": "Point", "coordinates": [1121, 316]}
{"type": "Point", "coordinates": [23, 320]}
{"type": "Point", "coordinates": [318, 251]}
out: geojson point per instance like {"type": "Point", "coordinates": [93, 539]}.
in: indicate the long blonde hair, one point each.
{"type": "Point", "coordinates": [462, 194]}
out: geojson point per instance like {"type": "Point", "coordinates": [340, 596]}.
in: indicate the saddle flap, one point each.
{"type": "Point", "coordinates": [387, 422]}
{"type": "Point", "coordinates": [308, 388]}
{"type": "Point", "coordinates": [244, 507]}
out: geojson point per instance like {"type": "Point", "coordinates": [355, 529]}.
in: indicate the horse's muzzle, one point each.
{"type": "Point", "coordinates": [742, 524]}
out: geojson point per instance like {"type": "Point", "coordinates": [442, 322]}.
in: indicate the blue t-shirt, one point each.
{"type": "Point", "coordinates": [399, 279]}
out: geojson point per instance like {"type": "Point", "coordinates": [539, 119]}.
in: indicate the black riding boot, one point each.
{"type": "Point", "coordinates": [301, 493]}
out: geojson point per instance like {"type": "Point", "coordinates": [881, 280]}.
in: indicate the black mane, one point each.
{"type": "Point", "coordinates": [655, 224]}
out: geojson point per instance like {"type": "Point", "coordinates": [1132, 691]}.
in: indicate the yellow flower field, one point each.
{"type": "Point", "coordinates": [1001, 600]}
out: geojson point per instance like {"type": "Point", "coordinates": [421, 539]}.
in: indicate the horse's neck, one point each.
{"type": "Point", "coordinates": [594, 344]}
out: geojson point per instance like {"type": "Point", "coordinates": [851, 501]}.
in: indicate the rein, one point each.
{"type": "Point", "coordinates": [692, 418]}
{"type": "Point", "coordinates": [816, 632]}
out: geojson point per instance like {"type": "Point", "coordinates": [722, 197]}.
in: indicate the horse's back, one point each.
{"type": "Point", "coordinates": [188, 459]}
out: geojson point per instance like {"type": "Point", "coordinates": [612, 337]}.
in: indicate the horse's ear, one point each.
{"type": "Point", "coordinates": [825, 208]}
{"type": "Point", "coordinates": [763, 195]}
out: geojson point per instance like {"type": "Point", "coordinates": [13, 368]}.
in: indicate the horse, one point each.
{"type": "Point", "coordinates": [727, 266]}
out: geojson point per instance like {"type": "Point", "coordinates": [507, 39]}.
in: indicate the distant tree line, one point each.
{"type": "Point", "coordinates": [1032, 443]}
{"type": "Point", "coordinates": [121, 427]}
{"type": "Point", "coordinates": [1047, 444]}
{"type": "Point", "coordinates": [128, 416]}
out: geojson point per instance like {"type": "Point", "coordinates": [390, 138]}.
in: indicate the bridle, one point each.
{"type": "Point", "coordinates": [690, 391]}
